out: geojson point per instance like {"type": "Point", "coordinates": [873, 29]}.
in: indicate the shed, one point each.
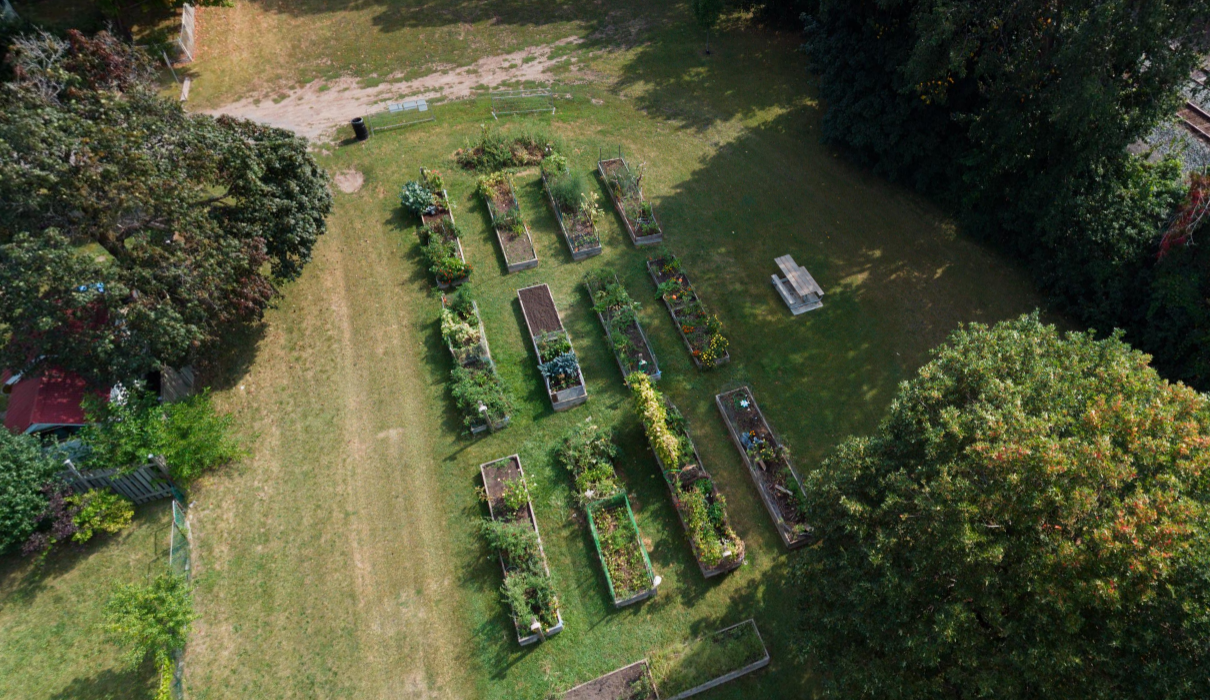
{"type": "Point", "coordinates": [50, 400]}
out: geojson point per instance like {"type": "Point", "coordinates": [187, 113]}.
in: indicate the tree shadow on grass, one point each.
{"type": "Point", "coordinates": [113, 684]}
{"type": "Point", "coordinates": [227, 362]}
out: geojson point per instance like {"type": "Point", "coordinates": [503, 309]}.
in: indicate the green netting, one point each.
{"type": "Point", "coordinates": [179, 548]}
{"type": "Point", "coordinates": [615, 501]}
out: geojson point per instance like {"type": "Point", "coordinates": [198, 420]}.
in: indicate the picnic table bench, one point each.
{"type": "Point", "coordinates": [798, 288]}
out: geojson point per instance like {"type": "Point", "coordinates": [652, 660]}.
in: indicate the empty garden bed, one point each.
{"type": "Point", "coordinates": [575, 208]}
{"type": "Point", "coordinates": [626, 189]}
{"type": "Point", "coordinates": [769, 464]}
{"type": "Point", "coordinates": [696, 666]}
{"type": "Point", "coordinates": [701, 331]}
{"type": "Point", "coordinates": [631, 682]}
{"type": "Point", "coordinates": [498, 193]}
{"type": "Point", "coordinates": [699, 505]}
{"type": "Point", "coordinates": [587, 451]}
{"type": "Point", "coordinates": [513, 534]}
{"type": "Point", "coordinates": [477, 389]}
{"type": "Point", "coordinates": [619, 317]}
{"type": "Point", "coordinates": [557, 360]}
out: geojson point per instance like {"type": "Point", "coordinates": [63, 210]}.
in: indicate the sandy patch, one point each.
{"type": "Point", "coordinates": [310, 111]}
{"type": "Point", "coordinates": [349, 181]}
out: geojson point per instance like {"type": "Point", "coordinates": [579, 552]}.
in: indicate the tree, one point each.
{"type": "Point", "coordinates": [707, 13]}
{"type": "Point", "coordinates": [1029, 520]}
{"type": "Point", "coordinates": [133, 234]}
{"type": "Point", "coordinates": [24, 471]}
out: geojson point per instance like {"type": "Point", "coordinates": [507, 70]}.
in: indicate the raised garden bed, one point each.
{"type": "Point", "coordinates": [556, 358]}
{"type": "Point", "coordinates": [769, 464]}
{"type": "Point", "coordinates": [511, 231]}
{"type": "Point", "coordinates": [694, 667]}
{"type": "Point", "coordinates": [477, 389]}
{"type": "Point", "coordinates": [701, 331]}
{"type": "Point", "coordinates": [699, 505]}
{"type": "Point", "coordinates": [440, 241]}
{"type": "Point", "coordinates": [513, 534]}
{"type": "Point", "coordinates": [631, 682]}
{"type": "Point", "coordinates": [626, 190]}
{"type": "Point", "coordinates": [588, 452]}
{"type": "Point", "coordinates": [619, 317]}
{"type": "Point", "coordinates": [441, 247]}
{"type": "Point", "coordinates": [575, 209]}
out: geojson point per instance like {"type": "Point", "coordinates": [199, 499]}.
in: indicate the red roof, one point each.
{"type": "Point", "coordinates": [52, 399]}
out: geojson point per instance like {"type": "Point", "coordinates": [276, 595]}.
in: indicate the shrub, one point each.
{"type": "Point", "coordinates": [102, 511]}
{"type": "Point", "coordinates": [197, 438]}
{"type": "Point", "coordinates": [516, 542]}
{"type": "Point", "coordinates": [515, 497]}
{"type": "Point", "coordinates": [24, 472]}
{"type": "Point", "coordinates": [150, 620]}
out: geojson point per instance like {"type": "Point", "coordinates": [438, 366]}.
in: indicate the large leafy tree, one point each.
{"type": "Point", "coordinates": [1019, 115]}
{"type": "Point", "coordinates": [132, 233]}
{"type": "Point", "coordinates": [1030, 520]}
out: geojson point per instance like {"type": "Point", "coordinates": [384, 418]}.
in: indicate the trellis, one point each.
{"type": "Point", "coordinates": [522, 101]}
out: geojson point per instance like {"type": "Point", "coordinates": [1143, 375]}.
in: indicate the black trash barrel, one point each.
{"type": "Point", "coordinates": [359, 128]}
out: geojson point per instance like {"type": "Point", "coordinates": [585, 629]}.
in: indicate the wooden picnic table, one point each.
{"type": "Point", "coordinates": [799, 278]}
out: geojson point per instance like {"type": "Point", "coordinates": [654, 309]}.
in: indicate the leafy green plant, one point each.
{"type": "Point", "coordinates": [25, 469]}
{"type": "Point", "coordinates": [554, 165]}
{"type": "Point", "coordinates": [551, 345]}
{"type": "Point", "coordinates": [531, 596]}
{"type": "Point", "coordinates": [562, 371]}
{"type": "Point", "coordinates": [433, 181]}
{"type": "Point", "coordinates": [514, 495]}
{"type": "Point", "coordinates": [191, 435]}
{"type": "Point", "coordinates": [416, 198]}
{"type": "Point", "coordinates": [516, 542]}
{"type": "Point", "coordinates": [150, 620]}
{"type": "Point", "coordinates": [699, 522]}
{"type": "Point", "coordinates": [462, 302]}
{"type": "Point", "coordinates": [495, 150]}
{"type": "Point", "coordinates": [587, 451]}
{"type": "Point", "coordinates": [650, 406]}
{"type": "Point", "coordinates": [567, 189]}
{"type": "Point", "coordinates": [457, 332]}
{"type": "Point", "coordinates": [99, 511]}
{"type": "Point", "coordinates": [479, 395]}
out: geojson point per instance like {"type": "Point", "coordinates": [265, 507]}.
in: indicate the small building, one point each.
{"type": "Point", "coordinates": [51, 400]}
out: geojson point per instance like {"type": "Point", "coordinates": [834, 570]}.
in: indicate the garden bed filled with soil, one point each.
{"type": "Point", "coordinates": [769, 464]}
{"type": "Point", "coordinates": [626, 190]}
{"type": "Point", "coordinates": [619, 317]}
{"type": "Point", "coordinates": [701, 331]}
{"type": "Point", "coordinates": [477, 389]}
{"type": "Point", "coordinates": [557, 360]}
{"type": "Point", "coordinates": [684, 670]}
{"type": "Point", "coordinates": [511, 230]}
{"type": "Point", "coordinates": [699, 505]}
{"type": "Point", "coordinates": [576, 219]}
{"type": "Point", "coordinates": [510, 506]}
{"type": "Point", "coordinates": [631, 682]}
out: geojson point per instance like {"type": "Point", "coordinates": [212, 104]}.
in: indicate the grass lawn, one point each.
{"type": "Point", "coordinates": [341, 560]}
{"type": "Point", "coordinates": [51, 646]}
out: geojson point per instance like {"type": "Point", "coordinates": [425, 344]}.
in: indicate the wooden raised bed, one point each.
{"type": "Point", "coordinates": [676, 310]}
{"type": "Point", "coordinates": [445, 212]}
{"type": "Point", "coordinates": [444, 226]}
{"type": "Point", "coordinates": [634, 332]}
{"type": "Point", "coordinates": [688, 479]}
{"type": "Point", "coordinates": [616, 685]}
{"type": "Point", "coordinates": [495, 474]}
{"type": "Point", "coordinates": [583, 252]}
{"type": "Point", "coordinates": [780, 501]}
{"type": "Point", "coordinates": [608, 167]}
{"type": "Point", "coordinates": [519, 253]}
{"type": "Point", "coordinates": [476, 365]}
{"type": "Point", "coordinates": [618, 502]}
{"type": "Point", "coordinates": [759, 659]}
{"type": "Point", "coordinates": [541, 319]}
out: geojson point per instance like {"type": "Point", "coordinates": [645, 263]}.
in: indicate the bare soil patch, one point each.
{"type": "Point", "coordinates": [349, 181]}
{"type": "Point", "coordinates": [321, 106]}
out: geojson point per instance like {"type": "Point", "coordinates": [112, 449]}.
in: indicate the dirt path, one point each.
{"type": "Point", "coordinates": [322, 105]}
